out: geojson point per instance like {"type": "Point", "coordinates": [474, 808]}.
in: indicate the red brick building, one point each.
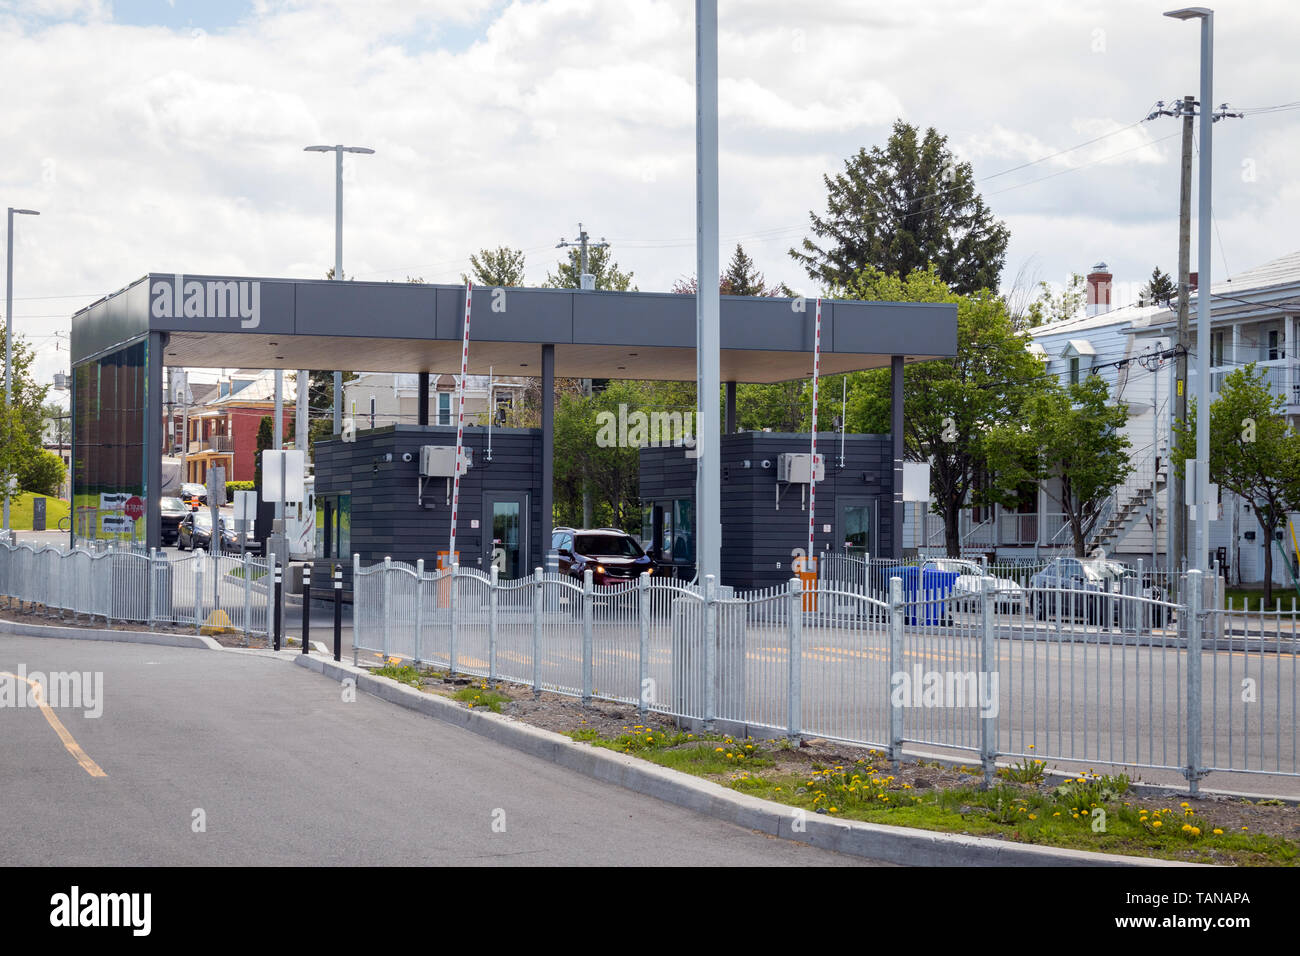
{"type": "Point", "coordinates": [223, 431]}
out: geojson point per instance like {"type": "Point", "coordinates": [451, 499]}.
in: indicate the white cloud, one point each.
{"type": "Point", "coordinates": [148, 148]}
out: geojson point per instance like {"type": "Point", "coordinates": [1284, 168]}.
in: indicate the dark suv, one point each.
{"type": "Point", "coordinates": [613, 556]}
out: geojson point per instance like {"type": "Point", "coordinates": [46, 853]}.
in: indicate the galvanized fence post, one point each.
{"type": "Point", "coordinates": [197, 558]}
{"type": "Point", "coordinates": [357, 610]}
{"type": "Point", "coordinates": [419, 611]}
{"type": "Point", "coordinates": [710, 654]}
{"type": "Point", "coordinates": [248, 596]}
{"type": "Point", "coordinates": [588, 610]}
{"type": "Point", "coordinates": [643, 644]}
{"type": "Point", "coordinates": [386, 610]}
{"type": "Point", "coordinates": [988, 667]}
{"type": "Point", "coordinates": [537, 633]}
{"type": "Point", "coordinates": [794, 694]}
{"type": "Point", "coordinates": [492, 624]}
{"type": "Point", "coordinates": [895, 667]}
{"type": "Point", "coordinates": [454, 601]}
{"type": "Point", "coordinates": [1196, 621]}
{"type": "Point", "coordinates": [152, 584]}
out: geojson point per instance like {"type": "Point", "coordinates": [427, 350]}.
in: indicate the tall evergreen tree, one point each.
{"type": "Point", "coordinates": [742, 276]}
{"type": "Point", "coordinates": [900, 208]}
{"type": "Point", "coordinates": [1160, 289]}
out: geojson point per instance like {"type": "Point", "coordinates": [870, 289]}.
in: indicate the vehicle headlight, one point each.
{"type": "Point", "coordinates": [650, 570]}
{"type": "Point", "coordinates": [600, 569]}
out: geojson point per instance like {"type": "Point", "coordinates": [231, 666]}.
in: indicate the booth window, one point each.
{"type": "Point", "coordinates": [444, 408]}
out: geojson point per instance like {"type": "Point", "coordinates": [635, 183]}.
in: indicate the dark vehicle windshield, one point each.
{"type": "Point", "coordinates": [203, 521]}
{"type": "Point", "coordinates": [607, 545]}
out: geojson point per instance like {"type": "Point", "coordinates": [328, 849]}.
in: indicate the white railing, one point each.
{"type": "Point", "coordinates": [1092, 675]}
{"type": "Point", "coordinates": [129, 584]}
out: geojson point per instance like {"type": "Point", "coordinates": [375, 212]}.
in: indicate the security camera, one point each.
{"type": "Point", "coordinates": [407, 456]}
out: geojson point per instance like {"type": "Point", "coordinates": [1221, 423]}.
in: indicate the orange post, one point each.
{"type": "Point", "coordinates": [808, 580]}
{"type": "Point", "coordinates": [444, 585]}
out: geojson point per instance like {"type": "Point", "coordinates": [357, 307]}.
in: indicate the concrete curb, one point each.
{"type": "Point", "coordinates": [874, 841]}
{"type": "Point", "coordinates": [21, 629]}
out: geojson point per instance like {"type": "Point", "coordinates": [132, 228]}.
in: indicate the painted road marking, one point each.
{"type": "Point", "coordinates": [52, 718]}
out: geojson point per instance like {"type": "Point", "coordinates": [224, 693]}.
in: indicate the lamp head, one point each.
{"type": "Point", "coordinates": [1190, 13]}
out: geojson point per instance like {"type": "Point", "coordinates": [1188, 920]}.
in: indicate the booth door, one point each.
{"type": "Point", "coordinates": [505, 532]}
{"type": "Point", "coordinates": [855, 529]}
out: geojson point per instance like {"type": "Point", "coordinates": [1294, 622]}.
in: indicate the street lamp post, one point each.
{"type": "Point", "coordinates": [1203, 262]}
{"type": "Point", "coordinates": [9, 333]}
{"type": "Point", "coordinates": [338, 152]}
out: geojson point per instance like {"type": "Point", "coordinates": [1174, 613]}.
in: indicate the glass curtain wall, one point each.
{"type": "Point", "coordinates": [109, 412]}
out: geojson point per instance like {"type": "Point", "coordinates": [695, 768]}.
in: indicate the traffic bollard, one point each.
{"type": "Point", "coordinates": [338, 612]}
{"type": "Point", "coordinates": [306, 608]}
{"type": "Point", "coordinates": [279, 604]}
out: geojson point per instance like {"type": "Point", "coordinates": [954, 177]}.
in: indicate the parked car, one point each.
{"type": "Point", "coordinates": [613, 556]}
{"type": "Point", "coordinates": [173, 513]}
{"type": "Point", "coordinates": [972, 580]}
{"type": "Point", "coordinates": [196, 532]}
{"type": "Point", "coordinates": [1091, 591]}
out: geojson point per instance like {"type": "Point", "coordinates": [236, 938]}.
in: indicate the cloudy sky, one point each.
{"type": "Point", "coordinates": [167, 135]}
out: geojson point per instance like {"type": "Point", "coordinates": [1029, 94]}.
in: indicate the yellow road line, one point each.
{"type": "Point", "coordinates": [52, 718]}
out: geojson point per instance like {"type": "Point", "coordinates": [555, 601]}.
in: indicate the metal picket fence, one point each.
{"type": "Point", "coordinates": [132, 585]}
{"type": "Point", "coordinates": [1121, 678]}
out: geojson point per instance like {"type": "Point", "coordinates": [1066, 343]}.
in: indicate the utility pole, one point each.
{"type": "Point", "coordinates": [1187, 109]}
{"type": "Point", "coordinates": [584, 243]}
{"type": "Point", "coordinates": [586, 281]}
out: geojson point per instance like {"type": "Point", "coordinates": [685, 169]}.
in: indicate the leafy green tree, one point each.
{"type": "Point", "coordinates": [898, 209]}
{"type": "Point", "coordinates": [1057, 307]}
{"type": "Point", "coordinates": [22, 427]}
{"type": "Point", "coordinates": [501, 266]}
{"type": "Point", "coordinates": [949, 405]}
{"type": "Point", "coordinates": [584, 456]}
{"type": "Point", "coordinates": [1253, 452]}
{"type": "Point", "coordinates": [1071, 434]}
{"type": "Point", "coordinates": [568, 273]}
{"type": "Point", "coordinates": [1160, 288]}
{"type": "Point", "coordinates": [42, 473]}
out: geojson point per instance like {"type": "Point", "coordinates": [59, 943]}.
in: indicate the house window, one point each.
{"type": "Point", "coordinates": [1216, 348]}
{"type": "Point", "coordinates": [444, 408]}
{"type": "Point", "coordinates": [1074, 370]}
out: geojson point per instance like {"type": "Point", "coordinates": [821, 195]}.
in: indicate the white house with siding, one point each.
{"type": "Point", "coordinates": [1255, 318]}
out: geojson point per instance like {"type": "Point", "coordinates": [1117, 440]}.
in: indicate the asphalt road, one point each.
{"type": "Point", "coordinates": [285, 772]}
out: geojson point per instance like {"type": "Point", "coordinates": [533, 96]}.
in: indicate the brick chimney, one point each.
{"type": "Point", "coordinates": [1099, 283]}
{"type": "Point", "coordinates": [1191, 282]}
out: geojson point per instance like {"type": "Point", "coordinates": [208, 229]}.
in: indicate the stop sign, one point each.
{"type": "Point", "coordinates": [134, 508]}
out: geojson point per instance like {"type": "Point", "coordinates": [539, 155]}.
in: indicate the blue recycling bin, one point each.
{"type": "Point", "coordinates": [931, 587]}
